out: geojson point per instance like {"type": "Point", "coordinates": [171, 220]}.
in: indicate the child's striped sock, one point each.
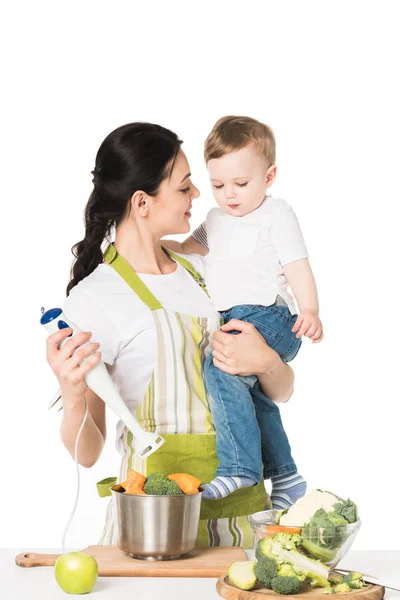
{"type": "Point", "coordinates": [286, 490]}
{"type": "Point", "coordinates": [223, 486]}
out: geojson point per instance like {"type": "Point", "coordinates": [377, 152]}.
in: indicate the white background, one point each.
{"type": "Point", "coordinates": [325, 76]}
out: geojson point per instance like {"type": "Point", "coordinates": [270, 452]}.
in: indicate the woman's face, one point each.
{"type": "Point", "coordinates": [170, 212]}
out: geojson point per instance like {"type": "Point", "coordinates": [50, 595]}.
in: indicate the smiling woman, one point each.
{"type": "Point", "coordinates": [149, 313]}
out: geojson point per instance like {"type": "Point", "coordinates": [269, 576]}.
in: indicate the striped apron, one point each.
{"type": "Point", "coordinates": [176, 405]}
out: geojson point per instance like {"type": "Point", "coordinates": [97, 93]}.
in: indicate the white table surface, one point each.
{"type": "Point", "coordinates": [38, 583]}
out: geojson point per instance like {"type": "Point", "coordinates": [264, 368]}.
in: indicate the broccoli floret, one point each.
{"type": "Point", "coordinates": [173, 489]}
{"type": "Point", "coordinates": [355, 580]}
{"type": "Point", "coordinates": [286, 585]}
{"type": "Point", "coordinates": [275, 549]}
{"type": "Point", "coordinates": [158, 484]}
{"type": "Point", "coordinates": [352, 576]}
{"type": "Point", "coordinates": [156, 477]}
{"type": "Point", "coordinates": [329, 590]}
{"type": "Point", "coordinates": [266, 569]}
{"type": "Point", "coordinates": [289, 541]}
{"type": "Point", "coordinates": [357, 585]}
{"type": "Point", "coordinates": [286, 570]}
{"type": "Point", "coordinates": [342, 588]}
{"type": "Point", "coordinates": [335, 579]}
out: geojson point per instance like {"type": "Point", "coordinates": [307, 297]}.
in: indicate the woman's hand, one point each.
{"type": "Point", "coordinates": [243, 354]}
{"type": "Point", "coordinates": [249, 354]}
{"type": "Point", "coordinates": [65, 363]}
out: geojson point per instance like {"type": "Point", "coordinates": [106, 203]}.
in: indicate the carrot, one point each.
{"type": "Point", "coordinates": [136, 478]}
{"type": "Point", "coordinates": [132, 488]}
{"type": "Point", "coordinates": [188, 483]}
{"type": "Point", "coordinates": [272, 529]}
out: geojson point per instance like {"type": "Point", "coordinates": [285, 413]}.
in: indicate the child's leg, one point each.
{"type": "Point", "coordinates": [287, 484]}
{"type": "Point", "coordinates": [237, 432]}
{"type": "Point", "coordinates": [275, 324]}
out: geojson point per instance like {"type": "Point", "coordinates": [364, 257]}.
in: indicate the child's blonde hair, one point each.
{"type": "Point", "coordinates": [233, 133]}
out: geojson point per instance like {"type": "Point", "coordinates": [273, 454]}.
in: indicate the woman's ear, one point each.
{"type": "Point", "coordinates": [270, 175]}
{"type": "Point", "coordinates": [140, 202]}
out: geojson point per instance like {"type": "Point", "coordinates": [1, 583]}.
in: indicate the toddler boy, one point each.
{"type": "Point", "coordinates": [253, 250]}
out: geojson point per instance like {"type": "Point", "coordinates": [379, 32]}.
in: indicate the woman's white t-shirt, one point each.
{"type": "Point", "coordinates": [104, 304]}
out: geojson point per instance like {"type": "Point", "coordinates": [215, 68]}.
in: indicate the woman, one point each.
{"type": "Point", "coordinates": [149, 312]}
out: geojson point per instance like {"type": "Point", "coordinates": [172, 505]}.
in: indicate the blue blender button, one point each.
{"type": "Point", "coordinates": [50, 315]}
{"type": "Point", "coordinates": [63, 325]}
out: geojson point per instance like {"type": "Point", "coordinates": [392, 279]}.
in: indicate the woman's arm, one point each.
{"type": "Point", "coordinates": [93, 434]}
{"type": "Point", "coordinates": [65, 364]}
{"type": "Point", "coordinates": [277, 382]}
{"type": "Point", "coordinates": [249, 354]}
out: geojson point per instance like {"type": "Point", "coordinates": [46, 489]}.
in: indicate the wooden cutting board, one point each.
{"type": "Point", "coordinates": [228, 591]}
{"type": "Point", "coordinates": [207, 561]}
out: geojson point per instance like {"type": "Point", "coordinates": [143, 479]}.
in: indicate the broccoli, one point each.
{"type": "Point", "coordinates": [286, 585]}
{"type": "Point", "coordinates": [286, 570]}
{"type": "Point", "coordinates": [158, 484]}
{"type": "Point", "coordinates": [282, 549]}
{"type": "Point", "coordinates": [352, 576]}
{"type": "Point", "coordinates": [287, 581]}
{"type": "Point", "coordinates": [342, 588]}
{"type": "Point", "coordinates": [341, 585]}
{"type": "Point", "coordinates": [355, 580]}
{"type": "Point", "coordinates": [357, 585]}
{"type": "Point", "coordinates": [266, 570]}
{"type": "Point", "coordinates": [288, 541]}
{"type": "Point", "coordinates": [173, 489]}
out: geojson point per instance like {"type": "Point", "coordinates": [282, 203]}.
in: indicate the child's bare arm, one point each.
{"type": "Point", "coordinates": [302, 282]}
{"type": "Point", "coordinates": [188, 246]}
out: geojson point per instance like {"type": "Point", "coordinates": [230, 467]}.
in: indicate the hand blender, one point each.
{"type": "Point", "coordinates": [100, 382]}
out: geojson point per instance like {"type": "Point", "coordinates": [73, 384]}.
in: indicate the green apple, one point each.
{"type": "Point", "coordinates": [76, 572]}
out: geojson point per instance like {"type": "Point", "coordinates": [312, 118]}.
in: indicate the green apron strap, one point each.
{"type": "Point", "coordinates": [189, 267]}
{"type": "Point", "coordinates": [133, 280]}
{"type": "Point", "coordinates": [128, 274]}
{"type": "Point", "coordinates": [103, 486]}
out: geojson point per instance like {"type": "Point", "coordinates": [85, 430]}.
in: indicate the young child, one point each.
{"type": "Point", "coordinates": [253, 249]}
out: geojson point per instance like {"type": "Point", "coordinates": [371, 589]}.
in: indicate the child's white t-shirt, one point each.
{"type": "Point", "coordinates": [106, 305]}
{"type": "Point", "coordinates": [246, 254]}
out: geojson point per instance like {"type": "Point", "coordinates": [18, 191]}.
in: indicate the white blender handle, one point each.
{"type": "Point", "coordinates": [100, 382]}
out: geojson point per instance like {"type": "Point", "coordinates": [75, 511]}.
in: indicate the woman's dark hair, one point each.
{"type": "Point", "coordinates": [137, 156]}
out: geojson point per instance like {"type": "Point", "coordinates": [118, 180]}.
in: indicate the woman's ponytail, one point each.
{"type": "Point", "coordinates": [133, 157]}
{"type": "Point", "coordinates": [88, 252]}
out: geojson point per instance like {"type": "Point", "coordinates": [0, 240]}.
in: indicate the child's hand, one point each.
{"type": "Point", "coordinates": [309, 324]}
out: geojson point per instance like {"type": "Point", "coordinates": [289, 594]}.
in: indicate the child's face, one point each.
{"type": "Point", "coordinates": [239, 180]}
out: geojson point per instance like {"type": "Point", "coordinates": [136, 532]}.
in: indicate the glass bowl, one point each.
{"type": "Point", "coordinates": [328, 544]}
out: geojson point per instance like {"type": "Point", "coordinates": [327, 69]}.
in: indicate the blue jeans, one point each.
{"type": "Point", "coordinates": [250, 437]}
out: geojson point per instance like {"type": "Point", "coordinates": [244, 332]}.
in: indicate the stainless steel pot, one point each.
{"type": "Point", "coordinates": [157, 527]}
